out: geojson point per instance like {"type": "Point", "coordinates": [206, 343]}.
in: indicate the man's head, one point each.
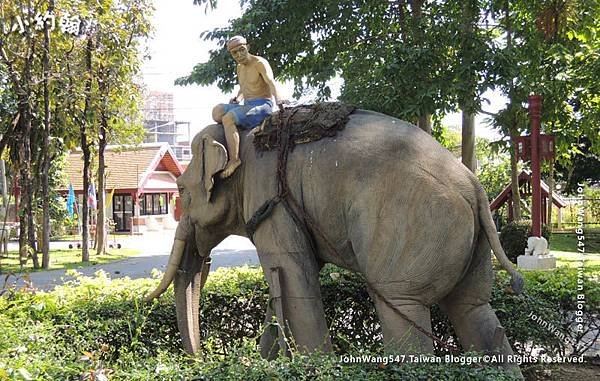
{"type": "Point", "coordinates": [238, 48]}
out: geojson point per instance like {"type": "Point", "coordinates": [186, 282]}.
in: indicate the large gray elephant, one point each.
{"type": "Point", "coordinates": [398, 207]}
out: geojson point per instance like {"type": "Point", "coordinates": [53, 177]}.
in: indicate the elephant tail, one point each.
{"type": "Point", "coordinates": [489, 228]}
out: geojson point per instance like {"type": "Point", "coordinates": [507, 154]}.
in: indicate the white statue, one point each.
{"type": "Point", "coordinates": [536, 246]}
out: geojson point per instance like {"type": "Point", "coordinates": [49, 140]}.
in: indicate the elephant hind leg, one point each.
{"type": "Point", "coordinates": [475, 326]}
{"type": "Point", "coordinates": [399, 336]}
{"type": "Point", "coordinates": [470, 313]}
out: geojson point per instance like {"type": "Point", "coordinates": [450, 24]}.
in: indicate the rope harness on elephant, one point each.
{"type": "Point", "coordinates": [307, 224]}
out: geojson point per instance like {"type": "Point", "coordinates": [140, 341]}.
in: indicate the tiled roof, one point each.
{"type": "Point", "coordinates": [126, 168]}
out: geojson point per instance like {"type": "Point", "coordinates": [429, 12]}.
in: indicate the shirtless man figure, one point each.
{"type": "Point", "coordinates": [257, 88]}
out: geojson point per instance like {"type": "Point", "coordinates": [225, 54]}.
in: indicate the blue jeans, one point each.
{"type": "Point", "coordinates": [251, 113]}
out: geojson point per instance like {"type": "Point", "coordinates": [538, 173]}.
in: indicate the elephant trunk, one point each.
{"type": "Point", "coordinates": [182, 235]}
{"type": "Point", "coordinates": [189, 282]}
{"type": "Point", "coordinates": [188, 269]}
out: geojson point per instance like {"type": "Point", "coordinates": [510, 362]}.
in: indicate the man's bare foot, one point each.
{"type": "Point", "coordinates": [230, 168]}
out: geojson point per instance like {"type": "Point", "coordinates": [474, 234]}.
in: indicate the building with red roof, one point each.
{"type": "Point", "coordinates": [140, 185]}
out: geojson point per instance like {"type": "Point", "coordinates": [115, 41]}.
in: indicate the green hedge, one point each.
{"type": "Point", "coordinates": [100, 325]}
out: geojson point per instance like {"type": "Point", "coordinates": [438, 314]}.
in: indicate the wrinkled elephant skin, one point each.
{"type": "Point", "coordinates": [399, 209]}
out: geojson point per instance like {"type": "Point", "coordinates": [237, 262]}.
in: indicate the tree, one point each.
{"type": "Point", "coordinates": [124, 24]}
{"type": "Point", "coordinates": [543, 47]}
{"type": "Point", "coordinates": [379, 48]}
{"type": "Point", "coordinates": [18, 50]}
{"type": "Point", "coordinates": [66, 87]}
{"type": "Point", "coordinates": [46, 147]}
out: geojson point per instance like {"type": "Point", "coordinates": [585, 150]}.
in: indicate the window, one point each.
{"type": "Point", "coordinates": [154, 203]}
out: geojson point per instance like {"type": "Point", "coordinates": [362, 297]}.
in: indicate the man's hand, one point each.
{"type": "Point", "coordinates": [282, 103]}
{"type": "Point", "coordinates": [234, 101]}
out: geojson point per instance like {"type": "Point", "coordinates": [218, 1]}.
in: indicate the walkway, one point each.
{"type": "Point", "coordinates": [233, 251]}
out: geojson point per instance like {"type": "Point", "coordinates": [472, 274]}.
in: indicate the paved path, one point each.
{"type": "Point", "coordinates": [233, 251]}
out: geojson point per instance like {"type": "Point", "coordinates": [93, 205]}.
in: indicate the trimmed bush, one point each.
{"type": "Point", "coordinates": [98, 325]}
{"type": "Point", "coordinates": [513, 238]}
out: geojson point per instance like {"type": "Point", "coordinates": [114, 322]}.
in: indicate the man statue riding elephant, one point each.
{"type": "Point", "coordinates": [257, 88]}
{"type": "Point", "coordinates": [392, 205]}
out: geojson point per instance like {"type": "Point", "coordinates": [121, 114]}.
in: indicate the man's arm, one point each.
{"type": "Point", "coordinates": [238, 98]}
{"type": "Point", "coordinates": [240, 95]}
{"type": "Point", "coordinates": [264, 69]}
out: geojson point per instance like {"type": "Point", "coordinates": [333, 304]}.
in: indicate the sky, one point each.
{"type": "Point", "coordinates": [176, 48]}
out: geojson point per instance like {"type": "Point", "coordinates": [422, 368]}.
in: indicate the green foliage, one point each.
{"type": "Point", "coordinates": [494, 175]}
{"type": "Point", "coordinates": [100, 325]}
{"type": "Point", "coordinates": [546, 49]}
{"type": "Point", "coordinates": [86, 101]}
{"type": "Point", "coordinates": [553, 297]}
{"type": "Point", "coordinates": [581, 169]}
{"type": "Point", "coordinates": [450, 138]}
{"type": "Point", "coordinates": [378, 48]}
{"type": "Point", "coordinates": [592, 203]}
{"type": "Point", "coordinates": [513, 238]}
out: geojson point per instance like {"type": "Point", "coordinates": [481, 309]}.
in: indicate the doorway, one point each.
{"type": "Point", "coordinates": [122, 212]}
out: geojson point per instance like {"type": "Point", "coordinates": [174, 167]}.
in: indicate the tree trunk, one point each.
{"type": "Point", "coordinates": [101, 221]}
{"type": "Point", "coordinates": [550, 195]}
{"type": "Point", "coordinates": [514, 175]}
{"type": "Point", "coordinates": [468, 141]}
{"type": "Point", "coordinates": [45, 238]}
{"type": "Point", "coordinates": [85, 148]}
{"type": "Point", "coordinates": [31, 222]}
{"type": "Point", "coordinates": [20, 206]}
{"type": "Point", "coordinates": [514, 178]}
{"type": "Point", "coordinates": [469, 102]}
{"type": "Point", "coordinates": [416, 6]}
{"type": "Point", "coordinates": [425, 123]}
{"type": "Point", "coordinates": [4, 185]}
{"type": "Point", "coordinates": [27, 224]}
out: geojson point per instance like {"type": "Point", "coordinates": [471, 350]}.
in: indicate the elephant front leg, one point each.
{"type": "Point", "coordinates": [269, 346]}
{"type": "Point", "coordinates": [295, 295]}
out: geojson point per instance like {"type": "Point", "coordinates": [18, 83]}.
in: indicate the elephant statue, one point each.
{"type": "Point", "coordinates": [536, 246]}
{"type": "Point", "coordinates": [398, 207]}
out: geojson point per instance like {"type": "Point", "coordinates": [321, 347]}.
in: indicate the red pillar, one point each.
{"type": "Point", "coordinates": [535, 108]}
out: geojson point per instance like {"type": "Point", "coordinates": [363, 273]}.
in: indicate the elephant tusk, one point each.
{"type": "Point", "coordinates": [172, 266]}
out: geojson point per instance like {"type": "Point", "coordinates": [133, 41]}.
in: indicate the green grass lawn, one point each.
{"type": "Point", "coordinates": [564, 247]}
{"type": "Point", "coordinates": [567, 242]}
{"type": "Point", "coordinates": [64, 259]}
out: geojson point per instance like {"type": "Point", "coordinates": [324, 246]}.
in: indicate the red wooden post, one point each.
{"type": "Point", "coordinates": [535, 107]}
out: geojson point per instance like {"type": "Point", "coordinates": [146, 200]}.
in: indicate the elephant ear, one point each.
{"type": "Point", "coordinates": [214, 160]}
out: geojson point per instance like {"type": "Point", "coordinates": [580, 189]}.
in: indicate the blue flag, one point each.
{"type": "Point", "coordinates": [70, 200]}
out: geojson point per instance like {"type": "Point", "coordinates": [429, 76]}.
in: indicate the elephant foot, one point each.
{"type": "Point", "coordinates": [478, 328]}
{"type": "Point", "coordinates": [230, 168]}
